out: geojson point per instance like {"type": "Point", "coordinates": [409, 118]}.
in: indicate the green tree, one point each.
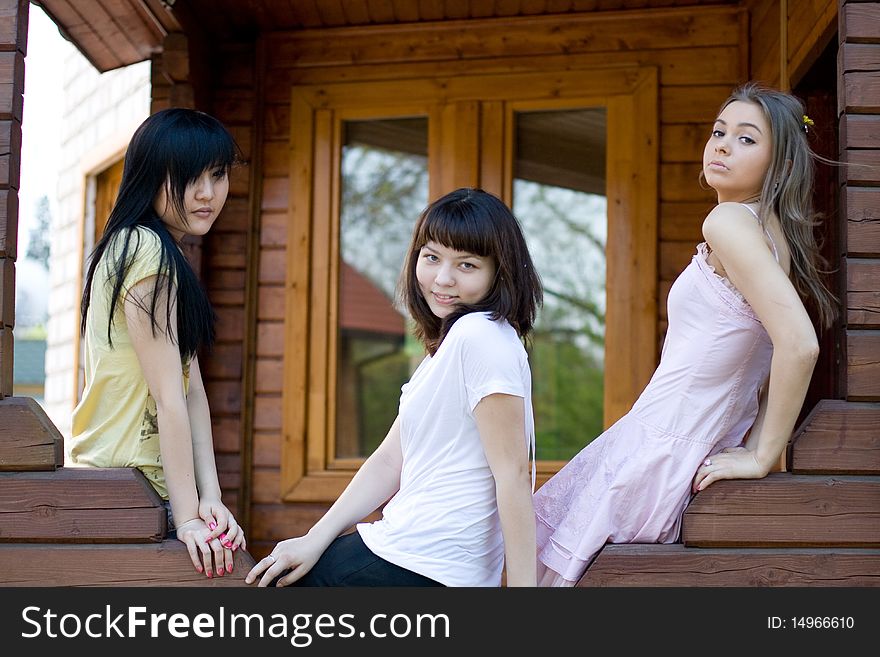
{"type": "Point", "coordinates": [38, 244]}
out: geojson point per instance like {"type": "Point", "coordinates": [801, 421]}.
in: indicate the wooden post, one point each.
{"type": "Point", "coordinates": [28, 439]}
{"type": "Point", "coordinates": [858, 105]}
{"type": "Point", "coordinates": [13, 46]}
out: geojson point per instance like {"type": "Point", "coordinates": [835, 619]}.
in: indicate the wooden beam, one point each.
{"type": "Point", "coordinates": [786, 510]}
{"type": "Point", "coordinates": [862, 294]}
{"type": "Point", "coordinates": [80, 505]}
{"type": "Point", "coordinates": [864, 164]}
{"type": "Point", "coordinates": [863, 365]}
{"type": "Point", "coordinates": [14, 25]}
{"type": "Point", "coordinates": [838, 437]}
{"type": "Point", "coordinates": [576, 33]}
{"type": "Point", "coordinates": [8, 223]}
{"type": "Point", "coordinates": [28, 438]}
{"type": "Point", "coordinates": [6, 357]}
{"type": "Point", "coordinates": [859, 22]}
{"type": "Point", "coordinates": [676, 565]}
{"type": "Point", "coordinates": [861, 208]}
{"type": "Point", "coordinates": [7, 293]}
{"type": "Point", "coordinates": [13, 46]}
{"type": "Point", "coordinates": [157, 564]}
{"type": "Point", "coordinates": [862, 91]}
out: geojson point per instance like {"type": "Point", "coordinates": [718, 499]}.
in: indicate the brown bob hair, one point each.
{"type": "Point", "coordinates": [477, 222]}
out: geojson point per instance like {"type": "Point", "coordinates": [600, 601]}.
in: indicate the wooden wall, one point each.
{"type": "Point", "coordinates": [229, 269]}
{"type": "Point", "coordinates": [700, 58]}
{"type": "Point", "coordinates": [764, 35]}
{"type": "Point", "coordinates": [859, 109]}
{"type": "Point", "coordinates": [220, 257]}
{"type": "Point", "coordinates": [809, 27]}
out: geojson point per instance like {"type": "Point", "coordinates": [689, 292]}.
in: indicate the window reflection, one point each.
{"type": "Point", "coordinates": [559, 197]}
{"type": "Point", "coordinates": [384, 188]}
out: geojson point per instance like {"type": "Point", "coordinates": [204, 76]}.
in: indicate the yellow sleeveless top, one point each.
{"type": "Point", "coordinates": [115, 423]}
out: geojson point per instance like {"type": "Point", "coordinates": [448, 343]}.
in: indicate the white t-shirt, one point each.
{"type": "Point", "coordinates": [443, 522]}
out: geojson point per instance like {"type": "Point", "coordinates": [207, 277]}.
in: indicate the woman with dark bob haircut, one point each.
{"type": "Point", "coordinates": [144, 318]}
{"type": "Point", "coordinates": [454, 467]}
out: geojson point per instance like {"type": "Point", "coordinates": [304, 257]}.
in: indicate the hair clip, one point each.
{"type": "Point", "coordinates": [807, 123]}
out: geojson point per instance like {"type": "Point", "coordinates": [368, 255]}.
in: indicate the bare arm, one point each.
{"type": "Point", "coordinates": [739, 243]}
{"type": "Point", "coordinates": [501, 423]}
{"type": "Point", "coordinates": [376, 481]}
{"type": "Point", "coordinates": [159, 359]}
{"type": "Point", "coordinates": [211, 508]}
{"type": "Point", "coordinates": [202, 439]}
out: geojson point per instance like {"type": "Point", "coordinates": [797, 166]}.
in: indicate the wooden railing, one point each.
{"type": "Point", "coordinates": [82, 526]}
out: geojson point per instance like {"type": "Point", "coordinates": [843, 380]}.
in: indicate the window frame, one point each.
{"type": "Point", "coordinates": [470, 142]}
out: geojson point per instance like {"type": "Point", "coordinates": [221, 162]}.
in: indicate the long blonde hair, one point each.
{"type": "Point", "coordinates": [788, 191]}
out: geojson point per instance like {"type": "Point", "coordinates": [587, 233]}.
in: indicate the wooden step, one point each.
{"type": "Point", "coordinates": [154, 564]}
{"type": "Point", "coordinates": [80, 505]}
{"type": "Point", "coordinates": [28, 438]}
{"type": "Point", "coordinates": [676, 565]}
{"type": "Point", "coordinates": [786, 510]}
{"type": "Point", "coordinates": [838, 437]}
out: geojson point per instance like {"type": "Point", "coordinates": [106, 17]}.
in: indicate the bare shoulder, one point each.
{"type": "Point", "coordinates": [730, 224]}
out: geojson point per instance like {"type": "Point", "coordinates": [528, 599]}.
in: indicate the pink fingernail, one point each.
{"type": "Point", "coordinates": [208, 573]}
{"type": "Point", "coordinates": [213, 525]}
{"type": "Point", "coordinates": [229, 568]}
{"type": "Point", "coordinates": [199, 568]}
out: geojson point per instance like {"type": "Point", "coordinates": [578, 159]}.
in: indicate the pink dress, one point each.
{"type": "Point", "coordinates": [632, 483]}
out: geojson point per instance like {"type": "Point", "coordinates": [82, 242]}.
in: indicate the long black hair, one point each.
{"type": "Point", "coordinates": [174, 147]}
{"type": "Point", "coordinates": [475, 221]}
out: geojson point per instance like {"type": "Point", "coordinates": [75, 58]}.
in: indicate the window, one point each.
{"type": "Point", "coordinates": [366, 157]}
{"type": "Point", "coordinates": [559, 198]}
{"type": "Point", "coordinates": [384, 187]}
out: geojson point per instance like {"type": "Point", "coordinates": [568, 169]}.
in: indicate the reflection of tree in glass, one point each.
{"type": "Point", "coordinates": [383, 193]}
{"type": "Point", "coordinates": [566, 231]}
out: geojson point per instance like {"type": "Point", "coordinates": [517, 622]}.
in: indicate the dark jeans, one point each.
{"type": "Point", "coordinates": [349, 562]}
{"type": "Point", "coordinates": [171, 531]}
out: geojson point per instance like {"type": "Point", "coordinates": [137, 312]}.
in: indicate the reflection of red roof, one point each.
{"type": "Point", "coordinates": [364, 307]}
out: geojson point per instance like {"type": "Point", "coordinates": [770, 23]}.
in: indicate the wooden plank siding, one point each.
{"type": "Point", "coordinates": [859, 110]}
{"type": "Point", "coordinates": [764, 33]}
{"type": "Point", "coordinates": [810, 27]}
{"type": "Point", "coordinates": [222, 256]}
{"type": "Point", "coordinates": [699, 59]}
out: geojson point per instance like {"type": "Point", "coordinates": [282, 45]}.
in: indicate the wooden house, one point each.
{"type": "Point", "coordinates": [609, 99]}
